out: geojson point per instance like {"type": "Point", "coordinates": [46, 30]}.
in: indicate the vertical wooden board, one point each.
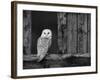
{"type": "Point", "coordinates": [27, 32]}
{"type": "Point", "coordinates": [84, 28]}
{"type": "Point", "coordinates": [69, 33]}
{"type": "Point", "coordinates": [62, 31]}
{"type": "Point", "coordinates": [80, 33]}
{"type": "Point", "coordinates": [74, 32]}
{"type": "Point", "coordinates": [59, 31]}
{"type": "Point", "coordinates": [88, 33]}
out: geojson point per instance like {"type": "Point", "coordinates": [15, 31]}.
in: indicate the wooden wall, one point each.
{"type": "Point", "coordinates": [74, 33]}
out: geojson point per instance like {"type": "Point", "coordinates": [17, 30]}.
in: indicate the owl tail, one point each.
{"type": "Point", "coordinates": [40, 58]}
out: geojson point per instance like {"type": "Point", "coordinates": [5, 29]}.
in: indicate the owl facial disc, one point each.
{"type": "Point", "coordinates": [47, 33]}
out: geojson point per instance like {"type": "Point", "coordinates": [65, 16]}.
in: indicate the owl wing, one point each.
{"type": "Point", "coordinates": [42, 48]}
{"type": "Point", "coordinates": [49, 43]}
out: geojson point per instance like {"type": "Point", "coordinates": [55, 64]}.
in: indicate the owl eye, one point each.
{"type": "Point", "coordinates": [48, 32]}
{"type": "Point", "coordinates": [44, 33]}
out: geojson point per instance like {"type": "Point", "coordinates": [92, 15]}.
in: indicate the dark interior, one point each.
{"type": "Point", "coordinates": [44, 20]}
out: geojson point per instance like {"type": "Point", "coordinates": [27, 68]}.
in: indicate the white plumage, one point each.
{"type": "Point", "coordinates": [43, 43]}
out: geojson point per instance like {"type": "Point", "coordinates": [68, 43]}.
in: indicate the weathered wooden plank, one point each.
{"type": "Point", "coordinates": [62, 31]}
{"type": "Point", "coordinates": [88, 33]}
{"type": "Point", "coordinates": [59, 31]}
{"type": "Point", "coordinates": [84, 33]}
{"type": "Point", "coordinates": [80, 33]}
{"type": "Point", "coordinates": [53, 56]}
{"type": "Point", "coordinates": [27, 32]}
{"type": "Point", "coordinates": [74, 33]}
{"type": "Point", "coordinates": [69, 33]}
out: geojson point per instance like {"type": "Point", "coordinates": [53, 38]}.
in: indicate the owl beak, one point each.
{"type": "Point", "coordinates": [50, 37]}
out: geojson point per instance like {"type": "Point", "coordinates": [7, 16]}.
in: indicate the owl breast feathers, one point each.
{"type": "Point", "coordinates": [43, 44]}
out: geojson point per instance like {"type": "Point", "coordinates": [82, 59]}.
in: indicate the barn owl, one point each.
{"type": "Point", "coordinates": [43, 44]}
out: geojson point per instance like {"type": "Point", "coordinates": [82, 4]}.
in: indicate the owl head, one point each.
{"type": "Point", "coordinates": [46, 33]}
